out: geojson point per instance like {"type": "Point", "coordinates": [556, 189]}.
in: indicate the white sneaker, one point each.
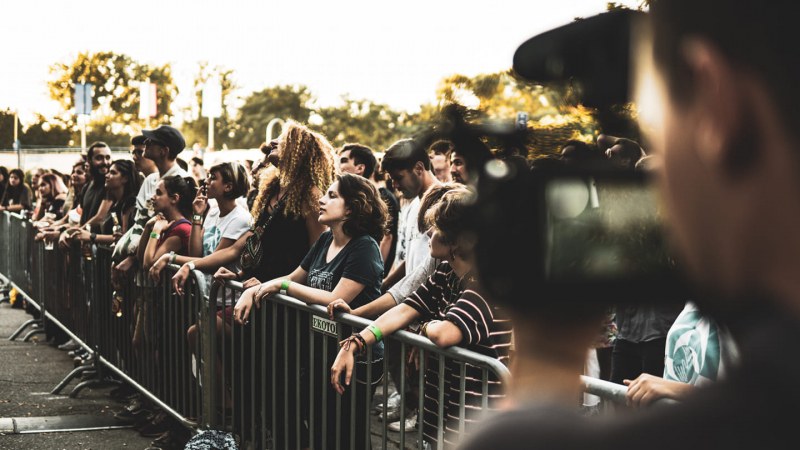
{"type": "Point", "coordinates": [392, 412]}
{"type": "Point", "coordinates": [410, 424]}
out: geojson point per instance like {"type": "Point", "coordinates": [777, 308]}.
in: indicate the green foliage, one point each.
{"type": "Point", "coordinates": [42, 132]}
{"type": "Point", "coordinates": [116, 98]}
{"type": "Point", "coordinates": [362, 121]}
{"type": "Point", "coordinates": [284, 102]}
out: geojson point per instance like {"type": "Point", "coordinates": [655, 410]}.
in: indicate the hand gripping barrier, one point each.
{"type": "Point", "coordinates": [267, 382]}
{"type": "Point", "coordinates": [271, 379]}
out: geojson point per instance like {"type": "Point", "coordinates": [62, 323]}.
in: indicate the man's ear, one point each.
{"type": "Point", "coordinates": [723, 108]}
{"type": "Point", "coordinates": [360, 168]}
{"type": "Point", "coordinates": [419, 168]}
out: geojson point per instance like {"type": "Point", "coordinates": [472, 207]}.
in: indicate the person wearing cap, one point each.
{"type": "Point", "coordinates": [722, 117]}
{"type": "Point", "coordinates": [160, 150]}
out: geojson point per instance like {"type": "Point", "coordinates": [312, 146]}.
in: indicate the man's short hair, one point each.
{"type": "Point", "coordinates": [404, 155]}
{"type": "Point", "coordinates": [94, 145]}
{"type": "Point", "coordinates": [754, 36]}
{"type": "Point", "coordinates": [441, 147]}
{"type": "Point", "coordinates": [361, 154]}
{"type": "Point", "coordinates": [138, 140]}
{"type": "Point", "coordinates": [197, 160]}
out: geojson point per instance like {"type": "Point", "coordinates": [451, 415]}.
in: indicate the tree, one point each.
{"type": "Point", "coordinates": [195, 127]}
{"type": "Point", "coordinates": [284, 102]}
{"type": "Point", "coordinates": [116, 78]}
{"type": "Point", "coordinates": [362, 121]}
{"type": "Point", "coordinates": [554, 114]}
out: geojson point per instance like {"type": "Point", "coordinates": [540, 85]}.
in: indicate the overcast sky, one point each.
{"type": "Point", "coordinates": [391, 52]}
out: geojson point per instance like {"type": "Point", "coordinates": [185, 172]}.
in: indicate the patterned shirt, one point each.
{"type": "Point", "coordinates": [484, 328]}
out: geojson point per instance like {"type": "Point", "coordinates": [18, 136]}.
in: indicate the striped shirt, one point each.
{"type": "Point", "coordinates": [485, 329]}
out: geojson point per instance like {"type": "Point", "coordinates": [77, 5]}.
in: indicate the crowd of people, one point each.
{"type": "Point", "coordinates": [388, 240]}
{"type": "Point", "coordinates": [421, 241]}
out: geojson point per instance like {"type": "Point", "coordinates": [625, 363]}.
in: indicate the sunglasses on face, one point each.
{"type": "Point", "coordinates": [150, 142]}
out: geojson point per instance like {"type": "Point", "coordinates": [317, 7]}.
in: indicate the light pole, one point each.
{"type": "Point", "coordinates": [271, 125]}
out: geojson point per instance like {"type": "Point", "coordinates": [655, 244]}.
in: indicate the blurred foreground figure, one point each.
{"type": "Point", "coordinates": [720, 115]}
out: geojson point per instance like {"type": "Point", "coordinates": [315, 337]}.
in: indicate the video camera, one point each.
{"type": "Point", "coordinates": [563, 235]}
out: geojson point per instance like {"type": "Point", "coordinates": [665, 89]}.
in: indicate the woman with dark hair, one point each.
{"type": "Point", "coordinates": [453, 310]}
{"type": "Point", "coordinates": [341, 263]}
{"type": "Point", "coordinates": [18, 195]}
{"type": "Point", "coordinates": [3, 180]}
{"type": "Point", "coordinates": [122, 186]}
{"type": "Point", "coordinates": [168, 230]}
{"type": "Point", "coordinates": [52, 194]}
{"type": "Point", "coordinates": [345, 263]}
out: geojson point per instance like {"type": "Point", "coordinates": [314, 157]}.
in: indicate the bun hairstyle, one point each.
{"type": "Point", "coordinates": [236, 174]}
{"type": "Point", "coordinates": [185, 189]}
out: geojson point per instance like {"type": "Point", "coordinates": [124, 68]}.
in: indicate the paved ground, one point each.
{"type": "Point", "coordinates": [28, 372]}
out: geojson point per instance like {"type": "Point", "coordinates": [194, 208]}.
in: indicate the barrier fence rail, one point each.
{"type": "Point", "coordinates": [267, 382]}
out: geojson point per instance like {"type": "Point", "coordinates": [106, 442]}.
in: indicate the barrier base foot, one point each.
{"type": "Point", "coordinates": [31, 334]}
{"type": "Point", "coordinates": [71, 376]}
{"type": "Point", "coordinates": [94, 382]}
{"type": "Point", "coordinates": [22, 328]}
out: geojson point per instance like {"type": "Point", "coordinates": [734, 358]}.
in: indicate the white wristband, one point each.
{"type": "Point", "coordinates": [191, 265]}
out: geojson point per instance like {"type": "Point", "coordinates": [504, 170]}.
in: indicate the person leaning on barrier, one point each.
{"type": "Point", "coordinates": [3, 181]}
{"type": "Point", "coordinates": [17, 196]}
{"type": "Point", "coordinates": [69, 215]}
{"type": "Point", "coordinates": [285, 212]}
{"type": "Point", "coordinates": [722, 118]}
{"type": "Point", "coordinates": [454, 312]}
{"type": "Point", "coordinates": [408, 284]}
{"type": "Point", "coordinates": [122, 184]}
{"type": "Point", "coordinates": [217, 228]}
{"type": "Point", "coordinates": [52, 195]}
{"type": "Point", "coordinates": [94, 206]}
{"type": "Point", "coordinates": [154, 153]}
{"type": "Point", "coordinates": [346, 263]}
{"type": "Point", "coordinates": [697, 353]}
{"type": "Point", "coordinates": [168, 230]}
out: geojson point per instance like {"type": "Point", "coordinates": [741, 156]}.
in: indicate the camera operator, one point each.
{"type": "Point", "coordinates": [724, 122]}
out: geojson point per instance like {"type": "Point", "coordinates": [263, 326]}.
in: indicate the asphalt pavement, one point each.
{"type": "Point", "coordinates": [33, 419]}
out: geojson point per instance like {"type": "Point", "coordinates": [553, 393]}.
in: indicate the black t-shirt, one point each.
{"type": "Point", "coordinates": [359, 260]}
{"type": "Point", "coordinates": [120, 208]}
{"type": "Point", "coordinates": [92, 195]}
{"type": "Point", "coordinates": [394, 212]}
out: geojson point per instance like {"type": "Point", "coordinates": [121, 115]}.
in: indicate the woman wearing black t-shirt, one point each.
{"type": "Point", "coordinates": [52, 194]}
{"type": "Point", "coordinates": [18, 195]}
{"type": "Point", "coordinates": [344, 263]}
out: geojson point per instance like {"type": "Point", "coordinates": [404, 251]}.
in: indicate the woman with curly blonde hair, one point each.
{"type": "Point", "coordinates": [284, 212]}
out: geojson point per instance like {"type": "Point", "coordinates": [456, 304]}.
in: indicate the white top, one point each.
{"type": "Point", "coordinates": [406, 230]}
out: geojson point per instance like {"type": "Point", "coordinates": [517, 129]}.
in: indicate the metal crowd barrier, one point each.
{"type": "Point", "coordinates": [267, 382]}
{"type": "Point", "coordinates": [274, 375]}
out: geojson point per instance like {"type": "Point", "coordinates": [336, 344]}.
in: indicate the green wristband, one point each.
{"type": "Point", "coordinates": [285, 286]}
{"type": "Point", "coordinates": [154, 235]}
{"type": "Point", "coordinates": [376, 331]}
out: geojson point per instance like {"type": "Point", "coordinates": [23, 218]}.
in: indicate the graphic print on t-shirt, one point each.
{"type": "Point", "coordinates": [321, 279]}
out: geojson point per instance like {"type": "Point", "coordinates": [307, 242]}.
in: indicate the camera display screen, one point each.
{"type": "Point", "coordinates": [603, 230]}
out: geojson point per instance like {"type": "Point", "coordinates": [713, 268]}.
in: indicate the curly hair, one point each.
{"type": "Point", "coordinates": [449, 216]}
{"type": "Point", "coordinates": [368, 213]}
{"type": "Point", "coordinates": [306, 162]}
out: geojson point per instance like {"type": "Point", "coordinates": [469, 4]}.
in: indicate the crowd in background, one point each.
{"type": "Point", "coordinates": [384, 240]}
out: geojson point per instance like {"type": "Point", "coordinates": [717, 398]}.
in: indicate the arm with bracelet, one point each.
{"type": "Point", "coordinates": [395, 319]}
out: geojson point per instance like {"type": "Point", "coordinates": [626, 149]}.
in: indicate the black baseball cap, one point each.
{"type": "Point", "coordinates": [594, 52]}
{"type": "Point", "coordinates": [169, 136]}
